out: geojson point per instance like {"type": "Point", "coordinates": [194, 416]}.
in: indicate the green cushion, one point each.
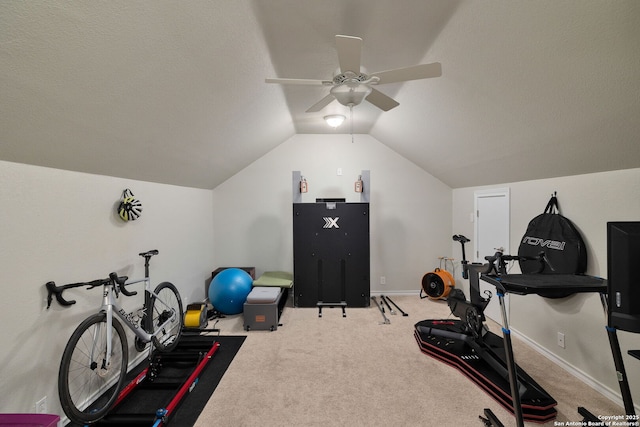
{"type": "Point", "coordinates": [281, 279]}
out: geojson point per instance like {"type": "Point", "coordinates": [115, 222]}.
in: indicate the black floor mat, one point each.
{"type": "Point", "coordinates": [189, 411]}
{"type": "Point", "coordinates": [150, 396]}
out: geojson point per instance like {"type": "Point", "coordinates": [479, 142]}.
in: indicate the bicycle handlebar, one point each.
{"type": "Point", "coordinates": [121, 283]}
{"type": "Point", "coordinates": [53, 290]}
{"type": "Point", "coordinates": [117, 281]}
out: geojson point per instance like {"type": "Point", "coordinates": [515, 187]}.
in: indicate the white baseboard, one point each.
{"type": "Point", "coordinates": [377, 292]}
{"type": "Point", "coordinates": [601, 388]}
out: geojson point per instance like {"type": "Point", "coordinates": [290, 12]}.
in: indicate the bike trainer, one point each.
{"type": "Point", "coordinates": [155, 392]}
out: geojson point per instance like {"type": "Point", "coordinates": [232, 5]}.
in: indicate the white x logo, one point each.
{"type": "Point", "coordinates": [331, 222]}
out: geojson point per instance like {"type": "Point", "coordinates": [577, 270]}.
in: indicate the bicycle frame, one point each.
{"type": "Point", "coordinates": [148, 293]}
{"type": "Point", "coordinates": [110, 306]}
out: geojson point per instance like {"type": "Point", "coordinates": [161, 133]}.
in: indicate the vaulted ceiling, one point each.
{"type": "Point", "coordinates": [175, 92]}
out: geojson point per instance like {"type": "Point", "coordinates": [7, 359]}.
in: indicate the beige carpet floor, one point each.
{"type": "Point", "coordinates": [354, 371]}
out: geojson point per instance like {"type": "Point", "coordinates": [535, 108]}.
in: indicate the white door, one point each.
{"type": "Point", "coordinates": [491, 232]}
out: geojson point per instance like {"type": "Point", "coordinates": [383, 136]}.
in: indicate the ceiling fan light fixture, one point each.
{"type": "Point", "coordinates": [334, 120]}
{"type": "Point", "coordinates": [351, 84]}
{"type": "Point", "coordinates": [350, 94]}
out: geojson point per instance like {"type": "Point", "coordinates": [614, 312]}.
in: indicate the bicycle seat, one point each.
{"type": "Point", "coordinates": [149, 253]}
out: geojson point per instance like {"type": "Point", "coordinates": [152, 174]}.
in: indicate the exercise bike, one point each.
{"type": "Point", "coordinates": [471, 312]}
{"type": "Point", "coordinates": [486, 358]}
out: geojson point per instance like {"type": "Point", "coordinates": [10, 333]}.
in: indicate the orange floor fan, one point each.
{"type": "Point", "coordinates": [437, 284]}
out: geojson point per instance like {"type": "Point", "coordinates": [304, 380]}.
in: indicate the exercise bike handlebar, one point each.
{"type": "Point", "coordinates": [496, 262]}
{"type": "Point", "coordinates": [501, 259]}
{"type": "Point", "coordinates": [54, 290]}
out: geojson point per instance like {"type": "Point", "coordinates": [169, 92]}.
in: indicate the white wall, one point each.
{"type": "Point", "coordinates": [410, 210]}
{"type": "Point", "coordinates": [61, 226]}
{"type": "Point", "coordinates": [589, 201]}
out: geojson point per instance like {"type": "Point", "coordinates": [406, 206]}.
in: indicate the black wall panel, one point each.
{"type": "Point", "coordinates": [331, 254]}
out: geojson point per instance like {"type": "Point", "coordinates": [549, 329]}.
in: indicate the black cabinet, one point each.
{"type": "Point", "coordinates": [331, 254]}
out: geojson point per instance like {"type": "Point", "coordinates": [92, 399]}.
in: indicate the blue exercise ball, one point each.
{"type": "Point", "coordinates": [229, 289]}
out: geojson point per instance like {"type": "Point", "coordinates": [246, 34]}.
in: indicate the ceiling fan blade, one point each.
{"type": "Point", "coordinates": [422, 71]}
{"type": "Point", "coordinates": [382, 101]}
{"type": "Point", "coordinates": [303, 82]}
{"type": "Point", "coordinates": [349, 51]}
{"type": "Point", "coordinates": [320, 104]}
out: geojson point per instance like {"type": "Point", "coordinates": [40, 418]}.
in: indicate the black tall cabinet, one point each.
{"type": "Point", "coordinates": [331, 254]}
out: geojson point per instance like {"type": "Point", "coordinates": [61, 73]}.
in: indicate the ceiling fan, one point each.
{"type": "Point", "coordinates": [351, 85]}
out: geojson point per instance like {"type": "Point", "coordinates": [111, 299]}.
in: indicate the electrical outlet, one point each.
{"type": "Point", "coordinates": [339, 172]}
{"type": "Point", "coordinates": [41, 406]}
{"type": "Point", "coordinates": [561, 340]}
{"type": "Point", "coordinates": [383, 280]}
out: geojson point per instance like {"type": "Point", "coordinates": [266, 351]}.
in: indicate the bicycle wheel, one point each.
{"type": "Point", "coordinates": [87, 386]}
{"type": "Point", "coordinates": [163, 306]}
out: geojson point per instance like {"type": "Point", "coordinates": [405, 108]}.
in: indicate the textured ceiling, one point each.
{"type": "Point", "coordinates": [174, 91]}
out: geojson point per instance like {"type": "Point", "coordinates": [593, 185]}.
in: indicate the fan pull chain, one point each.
{"type": "Point", "coordinates": [351, 120]}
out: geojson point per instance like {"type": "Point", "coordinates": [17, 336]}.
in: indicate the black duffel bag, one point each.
{"type": "Point", "coordinates": [553, 244]}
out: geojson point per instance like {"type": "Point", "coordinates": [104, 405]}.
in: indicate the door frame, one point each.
{"type": "Point", "coordinates": [493, 310]}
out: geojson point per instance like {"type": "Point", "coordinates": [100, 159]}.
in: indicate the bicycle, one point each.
{"type": "Point", "coordinates": [95, 360]}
